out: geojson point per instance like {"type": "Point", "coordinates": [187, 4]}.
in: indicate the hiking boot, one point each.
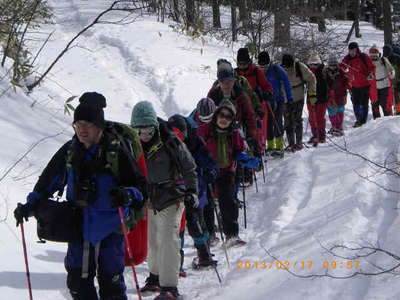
{"type": "Point", "coordinates": [338, 132]}
{"type": "Point", "coordinates": [182, 273]}
{"type": "Point", "coordinates": [152, 284]}
{"type": "Point", "coordinates": [357, 124]}
{"type": "Point", "coordinates": [169, 293]}
{"type": "Point", "coordinates": [298, 147]}
{"type": "Point", "coordinates": [290, 148]}
{"type": "Point", "coordinates": [312, 140]}
{"type": "Point", "coordinates": [198, 263]}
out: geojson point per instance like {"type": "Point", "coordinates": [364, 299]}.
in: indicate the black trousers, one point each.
{"type": "Point", "coordinates": [228, 205]}
{"type": "Point", "coordinates": [294, 122]}
{"type": "Point", "coordinates": [360, 100]}
{"type": "Point", "coordinates": [275, 121]}
{"type": "Point", "coordinates": [383, 95]}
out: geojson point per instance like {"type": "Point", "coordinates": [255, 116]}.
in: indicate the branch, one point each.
{"type": "Point", "coordinates": [67, 47]}
{"type": "Point", "coordinates": [27, 152]}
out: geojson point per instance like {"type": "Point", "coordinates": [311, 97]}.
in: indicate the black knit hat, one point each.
{"type": "Point", "coordinates": [179, 122]}
{"type": "Point", "coordinates": [243, 55]}
{"type": "Point", "coordinates": [287, 60]}
{"type": "Point", "coordinates": [90, 109]}
{"type": "Point", "coordinates": [263, 58]}
{"type": "Point", "coordinates": [353, 45]}
{"type": "Point", "coordinates": [225, 71]}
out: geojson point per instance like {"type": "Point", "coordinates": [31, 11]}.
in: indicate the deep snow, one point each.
{"type": "Point", "coordinates": [312, 199]}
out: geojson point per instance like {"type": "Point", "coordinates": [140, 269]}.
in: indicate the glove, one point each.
{"type": "Point", "coordinates": [126, 196]}
{"type": "Point", "coordinates": [22, 212]}
{"type": "Point", "coordinates": [247, 161]}
{"type": "Point", "coordinates": [260, 113]}
{"type": "Point", "coordinates": [191, 201]}
{"type": "Point", "coordinates": [268, 96]}
{"type": "Point", "coordinates": [210, 175]}
{"type": "Point", "coordinates": [33, 198]}
{"type": "Point", "coordinates": [254, 146]}
{"type": "Point", "coordinates": [272, 105]}
{"type": "Point", "coordinates": [312, 98]}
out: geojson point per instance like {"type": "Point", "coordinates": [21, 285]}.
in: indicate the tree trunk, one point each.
{"type": "Point", "coordinates": [357, 18]}
{"type": "Point", "coordinates": [233, 22]}
{"type": "Point", "coordinates": [281, 24]}
{"type": "Point", "coordinates": [216, 14]}
{"type": "Point", "coordinates": [387, 22]}
{"type": "Point", "coordinates": [243, 12]}
{"type": "Point", "coordinates": [378, 13]}
{"type": "Point", "coordinates": [190, 12]}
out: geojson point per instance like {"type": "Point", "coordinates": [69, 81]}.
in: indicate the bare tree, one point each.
{"type": "Point", "coordinates": [281, 24]}
{"type": "Point", "coordinates": [387, 22]}
{"type": "Point", "coordinates": [216, 14]}
{"type": "Point", "coordinates": [234, 21]}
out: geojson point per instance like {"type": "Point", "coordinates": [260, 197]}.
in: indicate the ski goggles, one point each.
{"type": "Point", "coordinates": [207, 118]}
{"type": "Point", "coordinates": [226, 116]}
{"type": "Point", "coordinates": [145, 131]}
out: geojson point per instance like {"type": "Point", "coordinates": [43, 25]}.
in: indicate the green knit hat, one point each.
{"type": "Point", "coordinates": [143, 114]}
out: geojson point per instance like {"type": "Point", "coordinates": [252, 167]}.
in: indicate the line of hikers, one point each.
{"type": "Point", "coordinates": [189, 169]}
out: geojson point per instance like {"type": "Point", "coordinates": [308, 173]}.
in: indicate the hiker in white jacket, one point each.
{"type": "Point", "coordinates": [384, 73]}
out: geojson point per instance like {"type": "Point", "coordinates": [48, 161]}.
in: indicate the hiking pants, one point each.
{"type": "Point", "coordinates": [336, 116]}
{"type": "Point", "coordinates": [294, 122]}
{"type": "Point", "coordinates": [316, 117]}
{"type": "Point", "coordinates": [208, 214]}
{"type": "Point", "coordinates": [164, 244]}
{"type": "Point", "coordinates": [360, 100]}
{"type": "Point", "coordinates": [275, 121]}
{"type": "Point", "coordinates": [396, 96]}
{"type": "Point", "coordinates": [110, 257]}
{"type": "Point", "coordinates": [196, 226]}
{"type": "Point", "coordinates": [228, 205]}
{"type": "Point", "coordinates": [382, 101]}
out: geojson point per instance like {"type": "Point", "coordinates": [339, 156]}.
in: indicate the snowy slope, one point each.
{"type": "Point", "coordinates": [312, 199]}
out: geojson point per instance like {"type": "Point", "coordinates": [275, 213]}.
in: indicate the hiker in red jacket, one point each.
{"type": "Point", "coordinates": [361, 70]}
{"type": "Point", "coordinates": [228, 89]}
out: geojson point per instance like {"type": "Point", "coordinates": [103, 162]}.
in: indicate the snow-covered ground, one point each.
{"type": "Point", "coordinates": [311, 200]}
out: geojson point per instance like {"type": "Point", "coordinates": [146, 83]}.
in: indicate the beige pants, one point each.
{"type": "Point", "coordinates": [164, 244]}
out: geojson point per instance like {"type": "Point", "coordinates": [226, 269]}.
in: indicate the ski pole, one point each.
{"type": "Point", "coordinates": [28, 276]}
{"type": "Point", "coordinates": [244, 200]}
{"type": "Point", "coordinates": [255, 179]}
{"type": "Point", "coordinates": [128, 247]}
{"type": "Point", "coordinates": [262, 168]}
{"type": "Point", "coordinates": [207, 247]}
{"type": "Point", "coordinates": [219, 221]}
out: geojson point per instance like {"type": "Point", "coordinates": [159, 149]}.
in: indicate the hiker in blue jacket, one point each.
{"type": "Point", "coordinates": [96, 191]}
{"type": "Point", "coordinates": [283, 97]}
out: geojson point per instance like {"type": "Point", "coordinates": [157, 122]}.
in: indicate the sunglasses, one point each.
{"type": "Point", "coordinates": [82, 125]}
{"type": "Point", "coordinates": [226, 116]}
{"type": "Point", "coordinates": [244, 64]}
{"type": "Point", "coordinates": [145, 131]}
{"type": "Point", "coordinates": [206, 118]}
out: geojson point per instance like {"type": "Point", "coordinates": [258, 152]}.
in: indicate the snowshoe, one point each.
{"type": "Point", "coordinates": [235, 242]}
{"type": "Point", "coordinates": [169, 294]}
{"type": "Point", "coordinates": [277, 154]}
{"type": "Point", "coordinates": [357, 124]}
{"type": "Point", "coordinates": [198, 264]}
